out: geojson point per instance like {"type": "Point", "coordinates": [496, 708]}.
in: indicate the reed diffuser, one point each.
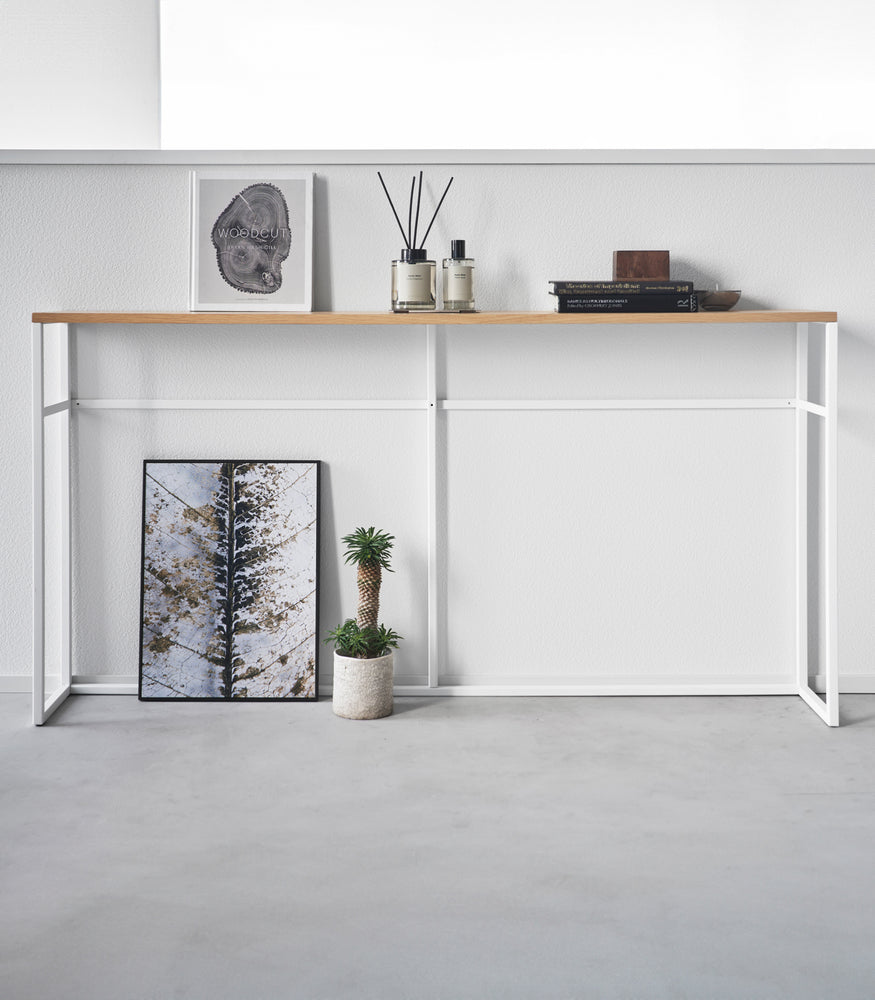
{"type": "Point", "coordinates": [414, 275]}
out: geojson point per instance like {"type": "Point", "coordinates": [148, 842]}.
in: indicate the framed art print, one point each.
{"type": "Point", "coordinates": [251, 240]}
{"type": "Point", "coordinates": [228, 608]}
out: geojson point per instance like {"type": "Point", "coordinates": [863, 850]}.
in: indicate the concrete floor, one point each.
{"type": "Point", "coordinates": [605, 849]}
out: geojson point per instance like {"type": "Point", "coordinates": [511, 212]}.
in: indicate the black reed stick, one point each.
{"type": "Point", "coordinates": [447, 188]}
{"type": "Point", "coordinates": [418, 200]}
{"type": "Point", "coordinates": [410, 211]}
{"type": "Point", "coordinates": [406, 241]}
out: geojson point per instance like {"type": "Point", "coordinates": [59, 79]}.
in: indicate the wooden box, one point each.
{"type": "Point", "coordinates": [641, 264]}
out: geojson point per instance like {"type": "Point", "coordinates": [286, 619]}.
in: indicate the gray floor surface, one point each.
{"type": "Point", "coordinates": [537, 848]}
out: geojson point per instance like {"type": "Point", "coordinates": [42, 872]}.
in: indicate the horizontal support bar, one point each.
{"type": "Point", "coordinates": [515, 691]}
{"type": "Point", "coordinates": [22, 684]}
{"type": "Point", "coordinates": [442, 404]}
{"type": "Point", "coordinates": [53, 408]}
{"type": "Point", "coordinates": [616, 404]}
{"type": "Point", "coordinates": [614, 690]}
{"type": "Point", "coordinates": [815, 408]}
{"type": "Point", "coordinates": [127, 684]}
{"type": "Point", "coordinates": [251, 404]}
{"type": "Point", "coordinates": [859, 684]}
{"type": "Point", "coordinates": [631, 690]}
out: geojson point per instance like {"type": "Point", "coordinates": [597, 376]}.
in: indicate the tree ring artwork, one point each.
{"type": "Point", "coordinates": [252, 239]}
{"type": "Point", "coordinates": [229, 581]}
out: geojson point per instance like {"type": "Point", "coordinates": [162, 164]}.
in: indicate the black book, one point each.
{"type": "Point", "coordinates": [636, 287]}
{"type": "Point", "coordinates": [642, 303]}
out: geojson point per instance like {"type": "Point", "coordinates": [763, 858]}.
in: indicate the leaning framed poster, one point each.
{"type": "Point", "coordinates": [228, 596]}
{"type": "Point", "coordinates": [251, 240]}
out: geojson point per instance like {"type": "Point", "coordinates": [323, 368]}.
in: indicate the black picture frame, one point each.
{"type": "Point", "coordinates": [229, 542]}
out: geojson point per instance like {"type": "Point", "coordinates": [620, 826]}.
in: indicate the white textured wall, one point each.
{"type": "Point", "coordinates": [787, 74]}
{"type": "Point", "coordinates": [80, 75]}
{"type": "Point", "coordinates": [116, 238]}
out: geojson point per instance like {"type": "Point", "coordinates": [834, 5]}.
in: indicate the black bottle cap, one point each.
{"type": "Point", "coordinates": [410, 255]}
{"type": "Point", "coordinates": [457, 249]}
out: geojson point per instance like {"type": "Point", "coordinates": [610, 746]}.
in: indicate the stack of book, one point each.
{"type": "Point", "coordinates": [624, 296]}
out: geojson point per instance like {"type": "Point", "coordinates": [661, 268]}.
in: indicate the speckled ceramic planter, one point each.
{"type": "Point", "coordinates": [363, 688]}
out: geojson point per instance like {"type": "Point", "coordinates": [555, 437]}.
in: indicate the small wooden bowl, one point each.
{"type": "Point", "coordinates": [718, 301]}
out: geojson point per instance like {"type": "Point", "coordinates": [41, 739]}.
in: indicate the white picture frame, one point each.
{"type": "Point", "coordinates": [251, 240]}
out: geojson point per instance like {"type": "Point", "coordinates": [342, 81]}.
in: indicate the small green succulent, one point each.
{"type": "Point", "coordinates": [363, 643]}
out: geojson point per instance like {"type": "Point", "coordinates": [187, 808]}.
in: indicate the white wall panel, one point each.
{"type": "Point", "coordinates": [593, 546]}
{"type": "Point", "coordinates": [615, 362]}
{"type": "Point", "coordinates": [116, 238]}
{"type": "Point", "coordinates": [301, 362]}
{"type": "Point", "coordinates": [502, 74]}
{"type": "Point", "coordinates": [373, 473]}
{"type": "Point", "coordinates": [81, 75]}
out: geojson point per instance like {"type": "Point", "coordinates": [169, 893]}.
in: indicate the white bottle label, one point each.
{"type": "Point", "coordinates": [458, 285]}
{"type": "Point", "coordinates": [414, 282]}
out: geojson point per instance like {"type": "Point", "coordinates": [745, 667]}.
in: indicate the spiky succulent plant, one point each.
{"type": "Point", "coordinates": [362, 636]}
{"type": "Point", "coordinates": [369, 549]}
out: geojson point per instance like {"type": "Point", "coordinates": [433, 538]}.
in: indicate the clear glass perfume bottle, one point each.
{"type": "Point", "coordinates": [413, 282]}
{"type": "Point", "coordinates": [458, 279]}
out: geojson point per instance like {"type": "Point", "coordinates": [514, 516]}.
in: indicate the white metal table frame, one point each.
{"type": "Point", "coordinates": [57, 482]}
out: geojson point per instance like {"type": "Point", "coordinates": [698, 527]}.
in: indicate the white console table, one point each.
{"type": "Point", "coordinates": [56, 402]}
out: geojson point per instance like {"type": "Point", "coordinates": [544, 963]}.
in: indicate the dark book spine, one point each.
{"type": "Point", "coordinates": [626, 303]}
{"type": "Point", "coordinates": [620, 287]}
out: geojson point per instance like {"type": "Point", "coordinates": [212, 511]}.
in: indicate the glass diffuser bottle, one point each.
{"type": "Point", "coordinates": [413, 281]}
{"type": "Point", "coordinates": [414, 276]}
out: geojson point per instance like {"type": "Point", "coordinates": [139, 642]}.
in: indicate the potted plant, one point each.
{"type": "Point", "coordinates": [363, 649]}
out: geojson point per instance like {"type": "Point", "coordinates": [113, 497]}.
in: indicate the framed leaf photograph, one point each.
{"type": "Point", "coordinates": [251, 240]}
{"type": "Point", "coordinates": [230, 556]}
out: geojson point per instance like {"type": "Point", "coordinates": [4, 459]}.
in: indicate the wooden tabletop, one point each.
{"type": "Point", "coordinates": [434, 318]}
